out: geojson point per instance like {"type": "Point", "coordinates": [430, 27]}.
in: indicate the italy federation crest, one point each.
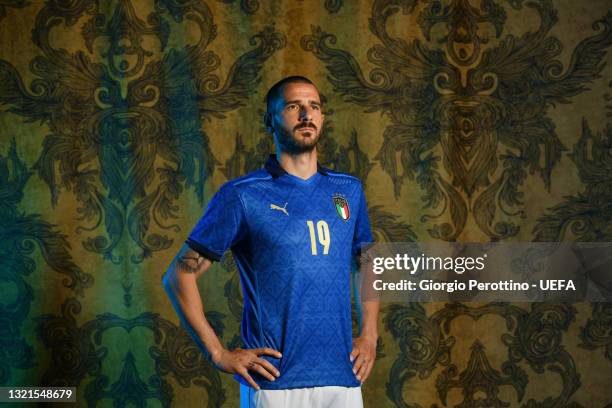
{"type": "Point", "coordinates": [342, 207]}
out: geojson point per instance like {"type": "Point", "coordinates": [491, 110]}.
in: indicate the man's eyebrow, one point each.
{"type": "Point", "coordinates": [312, 101]}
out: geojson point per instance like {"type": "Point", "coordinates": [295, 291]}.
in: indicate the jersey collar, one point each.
{"type": "Point", "coordinates": [274, 168]}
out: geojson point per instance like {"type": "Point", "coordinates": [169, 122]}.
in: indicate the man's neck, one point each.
{"type": "Point", "coordinates": [302, 165]}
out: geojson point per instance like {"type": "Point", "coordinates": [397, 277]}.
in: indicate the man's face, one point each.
{"type": "Point", "coordinates": [297, 118]}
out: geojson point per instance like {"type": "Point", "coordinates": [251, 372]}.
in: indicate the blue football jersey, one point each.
{"type": "Point", "coordinates": [293, 241]}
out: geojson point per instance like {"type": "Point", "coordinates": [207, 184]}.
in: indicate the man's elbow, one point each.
{"type": "Point", "coordinates": [168, 278]}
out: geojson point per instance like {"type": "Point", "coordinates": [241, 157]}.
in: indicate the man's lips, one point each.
{"type": "Point", "coordinates": [310, 128]}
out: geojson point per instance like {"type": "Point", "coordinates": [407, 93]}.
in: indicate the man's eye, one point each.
{"type": "Point", "coordinates": [316, 107]}
{"type": "Point", "coordinates": [292, 107]}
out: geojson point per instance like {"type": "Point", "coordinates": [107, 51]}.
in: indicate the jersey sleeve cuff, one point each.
{"type": "Point", "coordinates": [202, 250]}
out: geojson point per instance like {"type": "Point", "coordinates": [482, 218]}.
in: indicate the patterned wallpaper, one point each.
{"type": "Point", "coordinates": [468, 121]}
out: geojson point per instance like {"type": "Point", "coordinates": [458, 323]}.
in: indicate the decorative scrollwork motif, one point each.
{"type": "Point", "coordinates": [533, 337]}
{"type": "Point", "coordinates": [123, 120]}
{"type": "Point", "coordinates": [21, 234]}
{"type": "Point", "coordinates": [467, 100]}
{"type": "Point", "coordinates": [78, 352]}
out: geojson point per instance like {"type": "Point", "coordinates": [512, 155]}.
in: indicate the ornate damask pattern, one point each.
{"type": "Point", "coordinates": [597, 333]}
{"type": "Point", "coordinates": [469, 100]}
{"type": "Point", "coordinates": [11, 3]}
{"type": "Point", "coordinates": [587, 216]}
{"type": "Point", "coordinates": [110, 121]}
{"type": "Point", "coordinates": [123, 91]}
{"type": "Point", "coordinates": [129, 388]}
{"type": "Point", "coordinates": [247, 6]}
{"type": "Point", "coordinates": [479, 375]}
{"type": "Point", "coordinates": [333, 6]}
{"type": "Point", "coordinates": [534, 338]}
{"type": "Point", "coordinates": [78, 352]}
{"type": "Point", "coordinates": [21, 234]}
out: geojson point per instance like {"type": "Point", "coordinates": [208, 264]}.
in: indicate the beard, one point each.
{"type": "Point", "coordinates": [294, 143]}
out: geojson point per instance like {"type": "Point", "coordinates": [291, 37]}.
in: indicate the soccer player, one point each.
{"type": "Point", "coordinates": [293, 228]}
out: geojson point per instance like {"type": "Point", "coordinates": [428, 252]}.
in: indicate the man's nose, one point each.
{"type": "Point", "coordinates": [306, 113]}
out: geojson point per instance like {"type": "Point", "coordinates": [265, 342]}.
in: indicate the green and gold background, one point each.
{"type": "Point", "coordinates": [467, 120]}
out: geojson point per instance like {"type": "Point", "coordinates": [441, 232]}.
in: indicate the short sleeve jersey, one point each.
{"type": "Point", "coordinates": [293, 241]}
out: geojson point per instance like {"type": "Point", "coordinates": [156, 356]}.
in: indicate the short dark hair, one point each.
{"type": "Point", "coordinates": [276, 91]}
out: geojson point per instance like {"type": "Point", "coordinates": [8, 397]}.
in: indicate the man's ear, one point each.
{"type": "Point", "coordinates": [267, 119]}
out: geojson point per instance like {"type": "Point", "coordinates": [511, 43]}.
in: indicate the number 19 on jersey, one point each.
{"type": "Point", "coordinates": [321, 235]}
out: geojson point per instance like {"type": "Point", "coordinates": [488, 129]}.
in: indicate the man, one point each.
{"type": "Point", "coordinates": [293, 228]}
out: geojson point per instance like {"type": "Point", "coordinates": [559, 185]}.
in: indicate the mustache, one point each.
{"type": "Point", "coordinates": [304, 125]}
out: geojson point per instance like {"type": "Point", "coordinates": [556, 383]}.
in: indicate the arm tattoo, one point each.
{"type": "Point", "coordinates": [189, 262]}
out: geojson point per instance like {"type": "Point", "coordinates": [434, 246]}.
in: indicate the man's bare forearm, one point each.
{"type": "Point", "coordinates": [180, 283]}
{"type": "Point", "coordinates": [363, 353]}
{"type": "Point", "coordinates": [369, 327]}
{"type": "Point", "coordinates": [369, 305]}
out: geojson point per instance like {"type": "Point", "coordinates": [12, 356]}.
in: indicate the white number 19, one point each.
{"type": "Point", "coordinates": [322, 234]}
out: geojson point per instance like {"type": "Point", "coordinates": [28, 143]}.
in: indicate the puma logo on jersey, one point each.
{"type": "Point", "coordinates": [276, 207]}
